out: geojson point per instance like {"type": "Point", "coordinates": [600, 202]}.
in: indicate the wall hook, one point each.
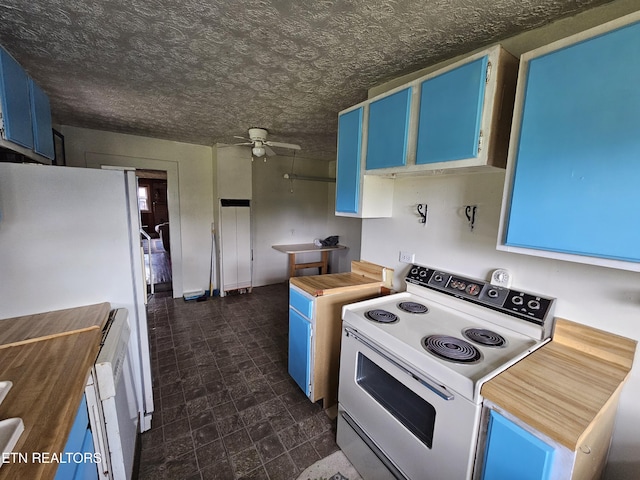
{"type": "Point", "coordinates": [422, 211]}
{"type": "Point", "coordinates": [470, 213]}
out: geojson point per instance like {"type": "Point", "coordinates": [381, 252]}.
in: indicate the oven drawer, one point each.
{"type": "Point", "coordinates": [368, 460]}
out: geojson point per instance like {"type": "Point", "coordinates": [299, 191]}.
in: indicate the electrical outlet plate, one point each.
{"type": "Point", "coordinates": [501, 278]}
{"type": "Point", "coordinates": [407, 257]}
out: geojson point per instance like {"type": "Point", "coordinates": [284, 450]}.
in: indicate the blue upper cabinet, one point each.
{"type": "Point", "coordinates": [348, 162]}
{"type": "Point", "coordinates": [457, 117]}
{"type": "Point", "coordinates": [14, 93]}
{"type": "Point", "coordinates": [450, 114]}
{"type": "Point", "coordinates": [358, 195]}
{"type": "Point", "coordinates": [41, 116]}
{"type": "Point", "coordinates": [573, 182]}
{"type": "Point", "coordinates": [388, 131]}
{"type": "Point", "coordinates": [513, 453]}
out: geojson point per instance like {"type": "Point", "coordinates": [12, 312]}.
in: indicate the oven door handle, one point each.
{"type": "Point", "coordinates": [439, 390]}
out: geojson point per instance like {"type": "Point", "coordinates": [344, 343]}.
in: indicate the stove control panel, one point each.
{"type": "Point", "coordinates": [527, 306]}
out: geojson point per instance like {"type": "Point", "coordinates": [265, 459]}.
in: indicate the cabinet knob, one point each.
{"type": "Point", "coordinates": [586, 449]}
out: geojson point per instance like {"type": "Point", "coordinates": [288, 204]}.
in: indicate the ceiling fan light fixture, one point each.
{"type": "Point", "coordinates": [258, 151]}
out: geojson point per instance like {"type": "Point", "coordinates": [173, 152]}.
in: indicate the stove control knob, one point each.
{"type": "Point", "coordinates": [534, 304]}
{"type": "Point", "coordinates": [423, 273]}
{"type": "Point", "coordinates": [473, 289]}
{"type": "Point", "coordinates": [493, 293]}
{"type": "Point", "coordinates": [517, 300]}
{"type": "Point", "coordinates": [414, 270]}
{"type": "Point", "coordinates": [438, 278]}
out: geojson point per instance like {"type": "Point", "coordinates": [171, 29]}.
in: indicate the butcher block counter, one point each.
{"type": "Point", "coordinates": [568, 390]}
{"type": "Point", "coordinates": [318, 285]}
{"type": "Point", "coordinates": [47, 357]}
{"type": "Point", "coordinates": [362, 274]}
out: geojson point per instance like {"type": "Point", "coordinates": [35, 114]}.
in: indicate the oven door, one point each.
{"type": "Point", "coordinates": [426, 431]}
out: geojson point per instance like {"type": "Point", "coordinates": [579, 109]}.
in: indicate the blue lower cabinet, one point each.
{"type": "Point", "coordinates": [77, 459]}
{"type": "Point", "coordinates": [300, 350]}
{"type": "Point", "coordinates": [513, 453]}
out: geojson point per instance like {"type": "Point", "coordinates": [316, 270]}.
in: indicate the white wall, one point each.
{"type": "Point", "coordinates": [603, 298]}
{"type": "Point", "coordinates": [190, 175]}
{"type": "Point", "coordinates": [288, 212]}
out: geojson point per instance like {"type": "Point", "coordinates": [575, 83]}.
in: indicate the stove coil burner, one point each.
{"type": "Point", "coordinates": [413, 307]}
{"type": "Point", "coordinates": [381, 316]}
{"type": "Point", "coordinates": [452, 349]}
{"type": "Point", "coordinates": [484, 337]}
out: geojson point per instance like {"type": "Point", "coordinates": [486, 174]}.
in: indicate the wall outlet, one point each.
{"type": "Point", "coordinates": [407, 257]}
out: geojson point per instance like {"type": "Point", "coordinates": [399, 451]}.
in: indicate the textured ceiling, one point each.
{"type": "Point", "coordinates": [201, 71]}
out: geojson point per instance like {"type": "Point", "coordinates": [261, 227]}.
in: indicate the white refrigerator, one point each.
{"type": "Point", "coordinates": [70, 237]}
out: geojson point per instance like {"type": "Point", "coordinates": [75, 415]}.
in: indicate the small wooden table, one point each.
{"type": "Point", "coordinates": [292, 250]}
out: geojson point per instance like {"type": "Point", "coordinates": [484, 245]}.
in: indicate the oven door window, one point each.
{"type": "Point", "coordinates": [409, 408]}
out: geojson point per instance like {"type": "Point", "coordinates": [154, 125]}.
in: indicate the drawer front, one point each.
{"type": "Point", "coordinates": [301, 303]}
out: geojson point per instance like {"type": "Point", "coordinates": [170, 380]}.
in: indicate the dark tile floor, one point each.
{"type": "Point", "coordinates": [225, 406]}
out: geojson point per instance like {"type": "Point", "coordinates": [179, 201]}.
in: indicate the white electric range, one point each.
{"type": "Point", "coordinates": [412, 365]}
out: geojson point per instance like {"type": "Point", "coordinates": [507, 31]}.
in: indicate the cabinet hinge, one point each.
{"type": "Point", "coordinates": [480, 138]}
{"type": "Point", "coordinates": [488, 72]}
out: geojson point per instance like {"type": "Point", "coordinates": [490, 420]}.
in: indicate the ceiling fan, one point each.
{"type": "Point", "coordinates": [260, 145]}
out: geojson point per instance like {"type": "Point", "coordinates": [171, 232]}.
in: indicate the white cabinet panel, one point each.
{"type": "Point", "coordinates": [235, 244]}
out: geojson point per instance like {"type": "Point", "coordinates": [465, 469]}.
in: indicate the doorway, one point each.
{"type": "Point", "coordinates": [154, 221]}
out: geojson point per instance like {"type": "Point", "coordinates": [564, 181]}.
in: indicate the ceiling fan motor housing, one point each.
{"type": "Point", "coordinates": [258, 134]}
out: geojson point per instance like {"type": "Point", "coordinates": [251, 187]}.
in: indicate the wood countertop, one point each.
{"type": "Point", "coordinates": [49, 373]}
{"type": "Point", "coordinates": [561, 388]}
{"type": "Point", "coordinates": [318, 285]}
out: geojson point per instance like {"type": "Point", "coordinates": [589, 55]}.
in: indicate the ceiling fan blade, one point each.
{"type": "Point", "coordinates": [290, 146]}
{"type": "Point", "coordinates": [242, 144]}
{"type": "Point", "coordinates": [241, 138]}
{"type": "Point", "coordinates": [269, 151]}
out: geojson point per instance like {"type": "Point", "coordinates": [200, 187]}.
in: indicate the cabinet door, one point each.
{"type": "Point", "coordinates": [14, 93]}
{"type": "Point", "coordinates": [300, 350]}
{"type": "Point", "coordinates": [243, 238]}
{"type": "Point", "coordinates": [41, 117]}
{"type": "Point", "coordinates": [577, 168]}
{"type": "Point", "coordinates": [348, 162]}
{"type": "Point", "coordinates": [450, 114]}
{"type": "Point", "coordinates": [513, 453]}
{"type": "Point", "coordinates": [80, 441]}
{"type": "Point", "coordinates": [388, 130]}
